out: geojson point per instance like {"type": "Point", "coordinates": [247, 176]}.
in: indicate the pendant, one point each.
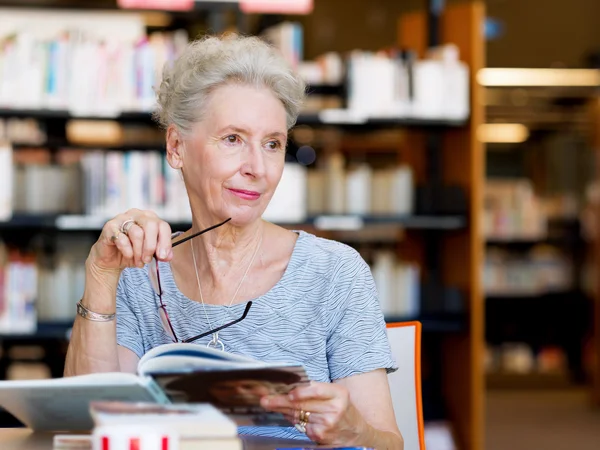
{"type": "Point", "coordinates": [215, 342]}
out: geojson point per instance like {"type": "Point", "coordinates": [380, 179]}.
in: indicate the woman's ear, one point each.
{"type": "Point", "coordinates": [175, 147]}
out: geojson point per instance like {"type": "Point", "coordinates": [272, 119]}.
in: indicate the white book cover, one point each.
{"type": "Point", "coordinates": [358, 190]}
{"type": "Point", "coordinates": [190, 421]}
{"type": "Point", "coordinates": [402, 191]}
{"type": "Point", "coordinates": [6, 181]}
{"type": "Point", "coordinates": [384, 277]}
{"type": "Point", "coordinates": [315, 192]}
{"type": "Point", "coordinates": [288, 204]}
{"type": "Point", "coordinates": [336, 184]}
{"type": "Point", "coordinates": [115, 180]}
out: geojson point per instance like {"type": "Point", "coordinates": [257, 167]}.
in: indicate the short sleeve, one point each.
{"type": "Point", "coordinates": [129, 334]}
{"type": "Point", "coordinates": [357, 342]}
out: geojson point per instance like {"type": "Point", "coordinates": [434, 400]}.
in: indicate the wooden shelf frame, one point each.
{"type": "Point", "coordinates": [462, 252]}
{"type": "Point", "coordinates": [595, 386]}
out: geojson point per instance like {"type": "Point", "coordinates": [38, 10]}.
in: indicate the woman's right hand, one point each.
{"type": "Point", "coordinates": [114, 250]}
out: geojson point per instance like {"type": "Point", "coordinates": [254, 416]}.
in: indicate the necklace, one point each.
{"type": "Point", "coordinates": [215, 341]}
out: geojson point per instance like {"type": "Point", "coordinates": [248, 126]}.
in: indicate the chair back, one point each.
{"type": "Point", "coordinates": [405, 383]}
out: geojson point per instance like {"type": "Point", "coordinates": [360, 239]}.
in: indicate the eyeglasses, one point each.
{"type": "Point", "coordinates": [154, 275]}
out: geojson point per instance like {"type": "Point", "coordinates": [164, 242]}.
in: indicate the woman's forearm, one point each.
{"type": "Point", "coordinates": [93, 345]}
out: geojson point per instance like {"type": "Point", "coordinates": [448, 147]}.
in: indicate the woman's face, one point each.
{"type": "Point", "coordinates": [235, 156]}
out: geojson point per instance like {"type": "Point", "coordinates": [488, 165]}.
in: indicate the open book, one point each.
{"type": "Point", "coordinates": [171, 373]}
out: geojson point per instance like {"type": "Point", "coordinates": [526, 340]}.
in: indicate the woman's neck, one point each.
{"type": "Point", "coordinates": [225, 252]}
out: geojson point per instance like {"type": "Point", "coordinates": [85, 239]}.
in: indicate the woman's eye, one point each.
{"type": "Point", "coordinates": [273, 145]}
{"type": "Point", "coordinates": [232, 139]}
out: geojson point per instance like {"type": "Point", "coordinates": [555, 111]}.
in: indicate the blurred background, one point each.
{"type": "Point", "coordinates": [453, 143]}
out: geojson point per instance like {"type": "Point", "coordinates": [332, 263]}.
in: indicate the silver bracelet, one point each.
{"type": "Point", "coordinates": [91, 315]}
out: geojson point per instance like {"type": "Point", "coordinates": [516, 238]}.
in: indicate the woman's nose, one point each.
{"type": "Point", "coordinates": [254, 162]}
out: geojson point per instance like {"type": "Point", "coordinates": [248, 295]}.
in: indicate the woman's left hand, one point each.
{"type": "Point", "coordinates": [333, 419]}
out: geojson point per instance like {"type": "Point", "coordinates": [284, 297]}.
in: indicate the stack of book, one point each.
{"type": "Point", "coordinates": [398, 285]}
{"type": "Point", "coordinates": [542, 270]}
{"type": "Point", "coordinates": [513, 211]}
{"type": "Point", "coordinates": [336, 187]}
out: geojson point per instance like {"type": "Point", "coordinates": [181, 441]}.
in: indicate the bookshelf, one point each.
{"type": "Point", "coordinates": [446, 242]}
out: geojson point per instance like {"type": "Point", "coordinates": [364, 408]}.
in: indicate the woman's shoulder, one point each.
{"type": "Point", "coordinates": [328, 255]}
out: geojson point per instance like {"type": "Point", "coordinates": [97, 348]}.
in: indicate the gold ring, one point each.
{"type": "Point", "coordinates": [115, 236]}
{"type": "Point", "coordinates": [125, 226]}
{"type": "Point", "coordinates": [304, 416]}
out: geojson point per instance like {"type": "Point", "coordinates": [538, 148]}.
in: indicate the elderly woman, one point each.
{"type": "Point", "coordinates": [227, 105]}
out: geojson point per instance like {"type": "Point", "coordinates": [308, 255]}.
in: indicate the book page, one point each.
{"type": "Point", "coordinates": [196, 351]}
{"type": "Point", "coordinates": [236, 392]}
{"type": "Point", "coordinates": [184, 363]}
{"type": "Point", "coordinates": [63, 403]}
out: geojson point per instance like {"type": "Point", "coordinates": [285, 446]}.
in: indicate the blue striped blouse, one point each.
{"type": "Point", "coordinates": [323, 313]}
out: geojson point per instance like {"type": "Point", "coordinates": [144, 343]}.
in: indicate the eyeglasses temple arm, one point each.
{"type": "Point", "coordinates": [175, 244]}
{"type": "Point", "coordinates": [248, 305]}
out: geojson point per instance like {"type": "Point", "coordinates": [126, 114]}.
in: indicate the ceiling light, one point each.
{"type": "Point", "coordinates": [506, 133]}
{"type": "Point", "coordinates": [538, 77]}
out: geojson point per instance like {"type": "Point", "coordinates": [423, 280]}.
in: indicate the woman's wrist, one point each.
{"type": "Point", "coordinates": [100, 289]}
{"type": "Point", "coordinates": [369, 436]}
{"type": "Point", "coordinates": [381, 440]}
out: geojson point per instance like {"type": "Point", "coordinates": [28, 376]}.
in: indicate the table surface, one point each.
{"type": "Point", "coordinates": [25, 439]}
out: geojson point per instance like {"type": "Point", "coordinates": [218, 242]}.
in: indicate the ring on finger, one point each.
{"type": "Point", "coordinates": [125, 226]}
{"type": "Point", "coordinates": [303, 418]}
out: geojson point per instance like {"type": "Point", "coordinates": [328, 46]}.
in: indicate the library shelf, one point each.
{"type": "Point", "coordinates": [92, 5]}
{"type": "Point", "coordinates": [312, 119]}
{"type": "Point", "coordinates": [318, 119]}
{"type": "Point", "coordinates": [435, 323]}
{"type": "Point", "coordinates": [60, 330]}
{"type": "Point", "coordinates": [70, 222]}
{"type": "Point", "coordinates": [56, 144]}
{"type": "Point", "coordinates": [61, 114]}
{"type": "Point", "coordinates": [55, 330]}
{"type": "Point", "coordinates": [528, 380]}
{"type": "Point", "coordinates": [28, 221]}
{"type": "Point", "coordinates": [532, 294]}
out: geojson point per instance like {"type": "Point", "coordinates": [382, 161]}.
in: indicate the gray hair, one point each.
{"type": "Point", "coordinates": [211, 62]}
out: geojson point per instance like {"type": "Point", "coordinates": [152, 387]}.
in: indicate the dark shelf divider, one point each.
{"type": "Point", "coordinates": [304, 119]}
{"type": "Point", "coordinates": [325, 222]}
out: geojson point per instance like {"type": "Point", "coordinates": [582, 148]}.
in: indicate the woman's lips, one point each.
{"type": "Point", "coordinates": [246, 195]}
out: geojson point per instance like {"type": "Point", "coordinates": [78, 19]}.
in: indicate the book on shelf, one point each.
{"type": "Point", "coordinates": [396, 84]}
{"type": "Point", "coordinates": [336, 187]}
{"type": "Point", "coordinates": [91, 64]}
{"type": "Point", "coordinates": [100, 184]}
{"type": "Point", "coordinates": [398, 285]}
{"type": "Point", "coordinates": [18, 291]}
{"type": "Point", "coordinates": [6, 180]}
{"type": "Point", "coordinates": [288, 38]}
{"type": "Point", "coordinates": [541, 270]}
{"type": "Point", "coordinates": [168, 374]}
